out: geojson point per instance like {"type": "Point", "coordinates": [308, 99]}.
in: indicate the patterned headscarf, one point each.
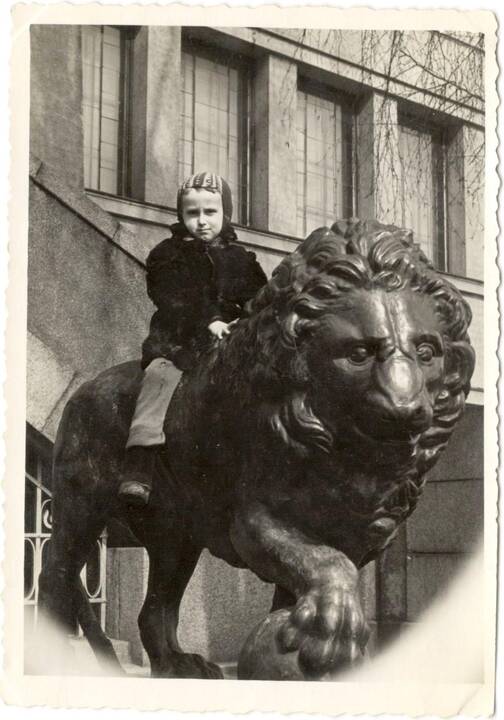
{"type": "Point", "coordinates": [212, 182]}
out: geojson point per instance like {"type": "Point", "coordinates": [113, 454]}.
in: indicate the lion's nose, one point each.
{"type": "Point", "coordinates": [414, 416]}
{"type": "Point", "coordinates": [401, 395]}
{"type": "Point", "coordinates": [405, 418]}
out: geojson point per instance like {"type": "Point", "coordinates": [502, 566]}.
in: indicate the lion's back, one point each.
{"type": "Point", "coordinates": [96, 419]}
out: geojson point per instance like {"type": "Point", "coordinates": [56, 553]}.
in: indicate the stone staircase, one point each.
{"type": "Point", "coordinates": [88, 664]}
{"type": "Point", "coordinates": [123, 652]}
{"type": "Point", "coordinates": [228, 670]}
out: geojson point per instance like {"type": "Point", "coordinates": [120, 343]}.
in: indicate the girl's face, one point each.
{"type": "Point", "coordinates": [202, 213]}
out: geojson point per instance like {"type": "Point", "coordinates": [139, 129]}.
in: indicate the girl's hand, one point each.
{"type": "Point", "coordinates": [219, 329]}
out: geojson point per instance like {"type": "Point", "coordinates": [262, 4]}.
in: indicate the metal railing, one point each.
{"type": "Point", "coordinates": [38, 526]}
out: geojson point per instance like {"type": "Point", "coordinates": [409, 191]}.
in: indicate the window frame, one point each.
{"type": "Point", "coordinates": [348, 103]}
{"type": "Point", "coordinates": [439, 133]}
{"type": "Point", "coordinates": [240, 63]}
{"type": "Point", "coordinates": [128, 35]}
{"type": "Point", "coordinates": [123, 181]}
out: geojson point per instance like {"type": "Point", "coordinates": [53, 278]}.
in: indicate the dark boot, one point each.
{"type": "Point", "coordinates": [138, 469]}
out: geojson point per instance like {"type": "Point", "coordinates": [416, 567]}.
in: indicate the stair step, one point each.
{"type": "Point", "coordinates": [136, 670]}
{"type": "Point", "coordinates": [122, 650]}
{"type": "Point", "coordinates": [89, 665]}
{"type": "Point", "coordinates": [84, 656]}
{"type": "Point", "coordinates": [229, 670]}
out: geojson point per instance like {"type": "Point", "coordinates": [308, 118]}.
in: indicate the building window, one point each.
{"type": "Point", "coordinates": [324, 160]}
{"type": "Point", "coordinates": [423, 171]}
{"type": "Point", "coordinates": [214, 123]}
{"type": "Point", "coordinates": [105, 73]}
{"type": "Point", "coordinates": [37, 534]}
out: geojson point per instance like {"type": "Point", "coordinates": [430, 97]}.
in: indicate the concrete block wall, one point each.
{"type": "Point", "coordinates": [86, 298]}
{"type": "Point", "coordinates": [56, 99]}
{"type": "Point", "coordinates": [442, 534]}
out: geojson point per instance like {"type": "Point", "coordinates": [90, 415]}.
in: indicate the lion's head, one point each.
{"type": "Point", "coordinates": [357, 338]}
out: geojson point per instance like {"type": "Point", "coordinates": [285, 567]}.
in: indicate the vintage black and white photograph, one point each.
{"type": "Point", "coordinates": [255, 353]}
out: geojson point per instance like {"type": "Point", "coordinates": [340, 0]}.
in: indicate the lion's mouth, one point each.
{"type": "Point", "coordinates": [399, 438]}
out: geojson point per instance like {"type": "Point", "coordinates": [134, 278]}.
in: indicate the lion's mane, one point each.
{"type": "Point", "coordinates": [268, 348]}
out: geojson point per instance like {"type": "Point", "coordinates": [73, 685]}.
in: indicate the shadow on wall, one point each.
{"type": "Point", "coordinates": [220, 608]}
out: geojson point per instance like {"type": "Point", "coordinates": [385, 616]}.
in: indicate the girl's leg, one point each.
{"type": "Point", "coordinates": [146, 433]}
{"type": "Point", "coordinates": [160, 379]}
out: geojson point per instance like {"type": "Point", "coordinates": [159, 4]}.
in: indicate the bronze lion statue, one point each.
{"type": "Point", "coordinates": [296, 448]}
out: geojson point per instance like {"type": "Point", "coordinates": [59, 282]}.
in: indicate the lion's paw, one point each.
{"type": "Point", "coordinates": [328, 629]}
{"type": "Point", "coordinates": [189, 665]}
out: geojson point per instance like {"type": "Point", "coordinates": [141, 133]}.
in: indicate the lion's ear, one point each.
{"type": "Point", "coordinates": [460, 361]}
{"type": "Point", "coordinates": [346, 227]}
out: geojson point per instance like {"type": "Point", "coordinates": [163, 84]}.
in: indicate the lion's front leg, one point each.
{"type": "Point", "coordinates": [325, 630]}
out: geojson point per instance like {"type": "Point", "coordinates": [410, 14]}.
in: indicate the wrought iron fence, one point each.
{"type": "Point", "coordinates": [38, 525]}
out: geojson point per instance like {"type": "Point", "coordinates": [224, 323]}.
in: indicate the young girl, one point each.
{"type": "Point", "coordinates": [199, 280]}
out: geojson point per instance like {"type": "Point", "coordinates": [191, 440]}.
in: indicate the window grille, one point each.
{"type": "Point", "coordinates": [214, 122]}
{"type": "Point", "coordinates": [423, 171]}
{"type": "Point", "coordinates": [325, 187]}
{"type": "Point", "coordinates": [105, 60]}
{"type": "Point", "coordinates": [37, 534]}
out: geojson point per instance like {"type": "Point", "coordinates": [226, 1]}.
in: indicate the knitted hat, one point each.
{"type": "Point", "coordinates": [212, 182]}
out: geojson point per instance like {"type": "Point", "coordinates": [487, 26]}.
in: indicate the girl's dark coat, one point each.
{"type": "Point", "coordinates": [192, 284]}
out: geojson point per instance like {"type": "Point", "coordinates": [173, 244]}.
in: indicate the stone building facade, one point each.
{"type": "Point", "coordinates": [307, 126]}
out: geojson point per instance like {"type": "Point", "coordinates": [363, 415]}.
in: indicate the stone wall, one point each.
{"type": "Point", "coordinates": [55, 99]}
{"type": "Point", "coordinates": [449, 66]}
{"type": "Point", "coordinates": [86, 299]}
{"type": "Point", "coordinates": [443, 533]}
{"type": "Point", "coordinates": [155, 114]}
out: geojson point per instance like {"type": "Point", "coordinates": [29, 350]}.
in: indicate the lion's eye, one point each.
{"type": "Point", "coordinates": [359, 355]}
{"type": "Point", "coordinates": [425, 352]}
